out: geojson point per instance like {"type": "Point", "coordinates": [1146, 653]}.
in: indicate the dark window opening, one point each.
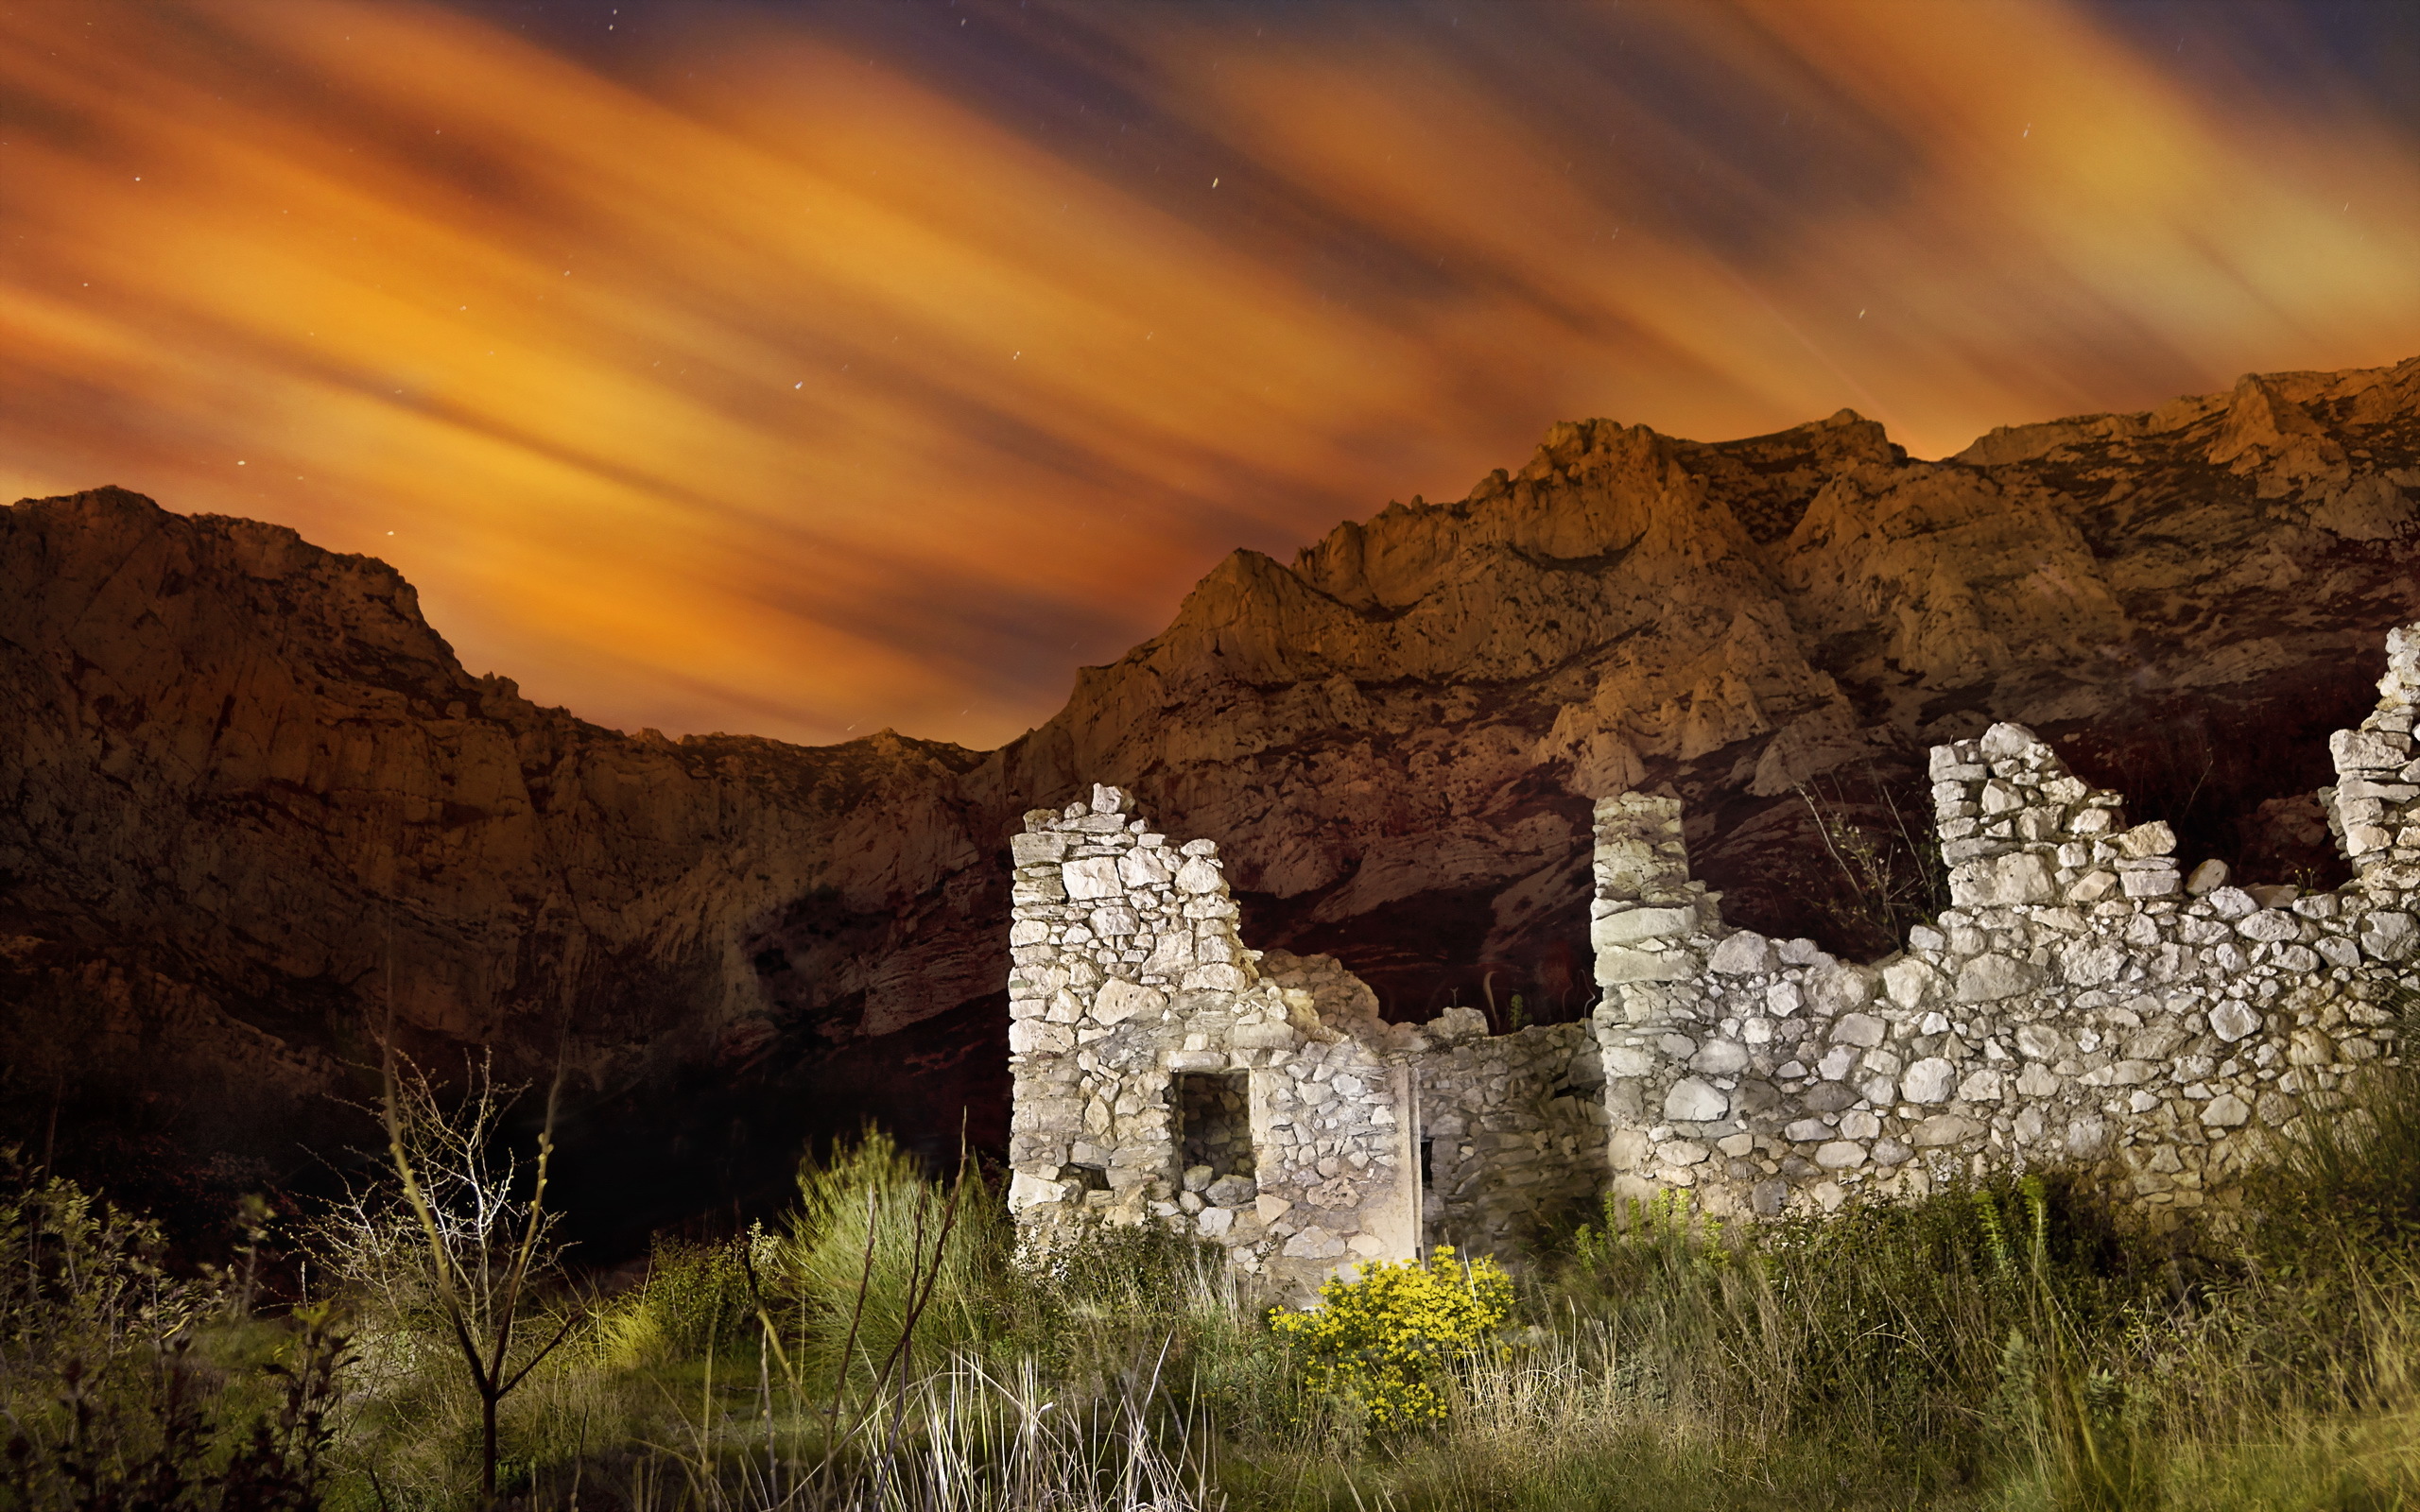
{"type": "Point", "coordinates": [1095, 1178]}
{"type": "Point", "coordinates": [1428, 1148]}
{"type": "Point", "coordinates": [1214, 1123]}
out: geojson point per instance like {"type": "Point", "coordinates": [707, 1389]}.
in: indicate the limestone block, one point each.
{"type": "Point", "coordinates": [1634, 924]}
{"type": "Point", "coordinates": [1338, 1192]}
{"type": "Point", "coordinates": [1859, 1029]}
{"type": "Point", "coordinates": [1270, 1209]}
{"type": "Point", "coordinates": [1092, 877]}
{"type": "Point", "coordinates": [2233, 1021]}
{"type": "Point", "coordinates": [1908, 982]}
{"type": "Point", "coordinates": [1036, 849]}
{"type": "Point", "coordinates": [1617, 965]}
{"type": "Point", "coordinates": [2388, 936]}
{"type": "Point", "coordinates": [1928, 1080]}
{"type": "Point", "coordinates": [2355, 751]}
{"type": "Point", "coordinates": [2036, 1080]}
{"type": "Point", "coordinates": [1720, 1057]}
{"type": "Point", "coordinates": [1313, 1243]}
{"type": "Point", "coordinates": [2206, 878]}
{"type": "Point", "coordinates": [2226, 1110]}
{"type": "Point", "coordinates": [1628, 1149]}
{"type": "Point", "coordinates": [1741, 953]}
{"type": "Point", "coordinates": [2038, 1042]}
{"type": "Point", "coordinates": [1198, 875]}
{"type": "Point", "coordinates": [1034, 1037]}
{"type": "Point", "coordinates": [1215, 977]}
{"type": "Point", "coordinates": [1196, 1060]}
{"type": "Point", "coordinates": [1172, 954]}
{"type": "Point", "coordinates": [1142, 869]}
{"type": "Point", "coordinates": [1839, 1154]}
{"type": "Point", "coordinates": [1027, 1192]}
{"type": "Point", "coordinates": [1119, 1000]}
{"type": "Point", "coordinates": [1038, 890]}
{"type": "Point", "coordinates": [1215, 1223]}
{"type": "Point", "coordinates": [2146, 880]}
{"type": "Point", "coordinates": [2006, 740]}
{"type": "Point", "coordinates": [1950, 764]}
{"type": "Point", "coordinates": [1841, 986]}
{"type": "Point", "coordinates": [2144, 840]}
{"type": "Point", "coordinates": [1992, 977]}
{"type": "Point", "coordinates": [2093, 887]}
{"type": "Point", "coordinates": [1944, 1128]}
{"type": "Point", "coordinates": [2020, 877]}
{"type": "Point", "coordinates": [2090, 962]}
{"type": "Point", "coordinates": [2353, 788]}
{"type": "Point", "coordinates": [1113, 923]}
{"type": "Point", "coordinates": [1628, 1060]}
{"type": "Point", "coordinates": [2270, 926]}
{"type": "Point", "coordinates": [1694, 1101]}
{"type": "Point", "coordinates": [1806, 1131]}
{"type": "Point", "coordinates": [1982, 1086]}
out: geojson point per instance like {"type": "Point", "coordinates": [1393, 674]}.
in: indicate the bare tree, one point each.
{"type": "Point", "coordinates": [457, 1229]}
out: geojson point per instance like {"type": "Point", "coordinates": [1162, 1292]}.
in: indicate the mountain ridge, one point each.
{"type": "Point", "coordinates": [234, 755]}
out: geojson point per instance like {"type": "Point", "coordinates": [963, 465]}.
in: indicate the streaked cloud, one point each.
{"type": "Point", "coordinates": [802, 371]}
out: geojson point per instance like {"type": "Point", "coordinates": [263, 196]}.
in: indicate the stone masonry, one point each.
{"type": "Point", "coordinates": [2081, 1004]}
{"type": "Point", "coordinates": [1162, 1070]}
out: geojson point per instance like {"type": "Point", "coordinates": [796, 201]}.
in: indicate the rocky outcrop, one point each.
{"type": "Point", "coordinates": [235, 763]}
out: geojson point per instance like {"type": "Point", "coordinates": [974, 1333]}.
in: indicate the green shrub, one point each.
{"type": "Point", "coordinates": [881, 1262]}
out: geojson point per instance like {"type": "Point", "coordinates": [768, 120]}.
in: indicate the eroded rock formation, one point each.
{"type": "Point", "coordinates": [234, 761]}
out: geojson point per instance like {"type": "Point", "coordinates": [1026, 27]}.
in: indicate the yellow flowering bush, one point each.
{"type": "Point", "coordinates": [1386, 1338]}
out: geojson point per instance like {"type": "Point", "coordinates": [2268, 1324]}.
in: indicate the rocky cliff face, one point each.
{"type": "Point", "coordinates": [254, 806]}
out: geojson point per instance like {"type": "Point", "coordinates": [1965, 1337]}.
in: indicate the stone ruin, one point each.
{"type": "Point", "coordinates": [2081, 1004]}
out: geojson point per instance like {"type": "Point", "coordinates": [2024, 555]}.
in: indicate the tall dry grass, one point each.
{"type": "Point", "coordinates": [2006, 1347]}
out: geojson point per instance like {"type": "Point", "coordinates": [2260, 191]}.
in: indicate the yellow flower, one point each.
{"type": "Point", "coordinates": [1388, 1337]}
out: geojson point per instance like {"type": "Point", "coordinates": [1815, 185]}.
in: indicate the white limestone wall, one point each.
{"type": "Point", "coordinates": [2078, 1003]}
{"type": "Point", "coordinates": [1128, 974]}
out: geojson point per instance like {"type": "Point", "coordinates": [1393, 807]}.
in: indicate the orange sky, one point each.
{"type": "Point", "coordinates": [800, 370]}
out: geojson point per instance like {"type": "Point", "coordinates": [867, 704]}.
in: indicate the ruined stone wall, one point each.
{"type": "Point", "coordinates": [2078, 1003]}
{"type": "Point", "coordinates": [1511, 1130]}
{"type": "Point", "coordinates": [1162, 1070]}
{"type": "Point", "coordinates": [1141, 1030]}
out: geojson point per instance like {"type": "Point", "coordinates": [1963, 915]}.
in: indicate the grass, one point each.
{"type": "Point", "coordinates": [2002, 1347]}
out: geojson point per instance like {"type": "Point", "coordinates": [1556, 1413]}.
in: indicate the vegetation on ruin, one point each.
{"type": "Point", "coordinates": [2001, 1346]}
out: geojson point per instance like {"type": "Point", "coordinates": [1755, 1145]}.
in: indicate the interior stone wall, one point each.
{"type": "Point", "coordinates": [1511, 1130]}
